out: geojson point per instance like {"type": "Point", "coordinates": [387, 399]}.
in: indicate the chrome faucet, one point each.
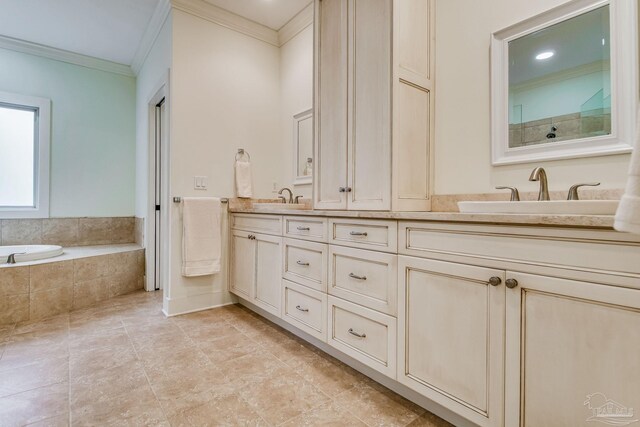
{"type": "Point", "coordinates": [290, 195]}
{"type": "Point", "coordinates": [538, 174]}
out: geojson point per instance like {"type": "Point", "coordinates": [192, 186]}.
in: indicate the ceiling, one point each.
{"type": "Point", "coordinates": [113, 29]}
{"type": "Point", "coordinates": [105, 29]}
{"type": "Point", "coordinates": [575, 42]}
{"type": "Point", "coordinates": [270, 13]}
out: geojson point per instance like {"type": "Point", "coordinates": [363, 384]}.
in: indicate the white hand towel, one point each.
{"type": "Point", "coordinates": [628, 214]}
{"type": "Point", "coordinates": [243, 179]}
{"type": "Point", "coordinates": [201, 241]}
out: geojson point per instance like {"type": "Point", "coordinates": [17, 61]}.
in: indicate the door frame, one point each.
{"type": "Point", "coordinates": [159, 92]}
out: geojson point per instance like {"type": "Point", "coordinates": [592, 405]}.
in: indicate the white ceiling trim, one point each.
{"type": "Point", "coordinates": [150, 35]}
{"type": "Point", "coordinates": [227, 19]}
{"type": "Point", "coordinates": [302, 20]}
{"type": "Point", "coordinates": [64, 56]}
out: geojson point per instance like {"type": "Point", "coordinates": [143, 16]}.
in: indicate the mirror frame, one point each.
{"type": "Point", "coordinates": [297, 118]}
{"type": "Point", "coordinates": [624, 75]}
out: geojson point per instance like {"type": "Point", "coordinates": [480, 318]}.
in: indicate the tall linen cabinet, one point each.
{"type": "Point", "coordinates": [373, 104]}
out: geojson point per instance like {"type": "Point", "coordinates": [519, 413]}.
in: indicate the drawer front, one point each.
{"type": "Point", "coordinates": [268, 224]}
{"type": "Point", "coordinates": [305, 309]}
{"type": "Point", "coordinates": [305, 263]}
{"type": "Point", "coordinates": [583, 252]}
{"type": "Point", "coordinates": [364, 234]}
{"type": "Point", "coordinates": [306, 228]}
{"type": "Point", "coordinates": [364, 334]}
{"type": "Point", "coordinates": [364, 277]}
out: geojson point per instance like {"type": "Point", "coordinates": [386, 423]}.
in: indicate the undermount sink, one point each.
{"type": "Point", "coordinates": [272, 206]}
{"type": "Point", "coordinates": [551, 207]}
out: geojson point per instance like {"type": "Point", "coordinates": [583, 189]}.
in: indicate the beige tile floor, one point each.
{"type": "Point", "coordinates": [123, 363]}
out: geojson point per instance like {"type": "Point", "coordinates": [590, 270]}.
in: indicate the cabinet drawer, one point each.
{"type": "Point", "coordinates": [364, 277]}
{"type": "Point", "coordinates": [584, 252]}
{"type": "Point", "coordinates": [365, 234]}
{"type": "Point", "coordinates": [306, 228]}
{"type": "Point", "coordinates": [364, 334]}
{"type": "Point", "coordinates": [268, 224]}
{"type": "Point", "coordinates": [305, 263]}
{"type": "Point", "coordinates": [305, 309]}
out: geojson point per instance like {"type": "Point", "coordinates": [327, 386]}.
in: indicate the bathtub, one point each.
{"type": "Point", "coordinates": [26, 253]}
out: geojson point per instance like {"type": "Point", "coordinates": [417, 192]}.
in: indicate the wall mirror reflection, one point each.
{"type": "Point", "coordinates": [560, 74]}
{"type": "Point", "coordinates": [303, 147]}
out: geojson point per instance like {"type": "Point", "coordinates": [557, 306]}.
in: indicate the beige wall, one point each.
{"type": "Point", "coordinates": [296, 93]}
{"type": "Point", "coordinates": [463, 137]}
{"type": "Point", "coordinates": [225, 95]}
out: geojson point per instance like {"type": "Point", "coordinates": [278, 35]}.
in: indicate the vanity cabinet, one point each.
{"type": "Point", "coordinates": [256, 261]}
{"type": "Point", "coordinates": [572, 351]}
{"type": "Point", "coordinates": [373, 104]}
{"type": "Point", "coordinates": [450, 336]}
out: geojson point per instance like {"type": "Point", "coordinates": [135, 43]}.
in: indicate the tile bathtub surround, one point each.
{"type": "Point", "coordinates": [68, 231]}
{"type": "Point", "coordinates": [42, 290]}
{"type": "Point", "coordinates": [139, 231]}
{"type": "Point", "coordinates": [227, 366]}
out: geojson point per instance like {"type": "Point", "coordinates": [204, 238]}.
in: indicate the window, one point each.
{"type": "Point", "coordinates": [24, 156]}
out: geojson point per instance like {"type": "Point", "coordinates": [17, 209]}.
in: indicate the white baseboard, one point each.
{"type": "Point", "coordinates": [391, 384]}
{"type": "Point", "coordinates": [192, 303]}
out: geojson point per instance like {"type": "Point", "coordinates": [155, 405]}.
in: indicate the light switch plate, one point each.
{"type": "Point", "coordinates": [200, 182]}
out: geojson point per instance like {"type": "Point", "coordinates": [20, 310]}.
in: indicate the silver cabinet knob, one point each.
{"type": "Point", "coordinates": [356, 334]}
{"type": "Point", "coordinates": [342, 189]}
{"type": "Point", "coordinates": [511, 283]}
{"type": "Point", "coordinates": [495, 281]}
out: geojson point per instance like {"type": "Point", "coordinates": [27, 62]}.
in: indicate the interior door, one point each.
{"type": "Point", "coordinates": [571, 353]}
{"type": "Point", "coordinates": [450, 336]}
{"type": "Point", "coordinates": [243, 264]}
{"type": "Point", "coordinates": [369, 104]}
{"type": "Point", "coordinates": [268, 276]}
{"type": "Point", "coordinates": [330, 112]}
{"type": "Point", "coordinates": [161, 135]}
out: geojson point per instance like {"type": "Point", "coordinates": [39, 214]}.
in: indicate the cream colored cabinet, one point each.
{"type": "Point", "coordinates": [373, 104]}
{"type": "Point", "coordinates": [572, 353]}
{"type": "Point", "coordinates": [256, 261]}
{"type": "Point", "coordinates": [450, 336]}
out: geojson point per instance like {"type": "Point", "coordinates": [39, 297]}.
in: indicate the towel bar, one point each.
{"type": "Point", "coordinates": [177, 199]}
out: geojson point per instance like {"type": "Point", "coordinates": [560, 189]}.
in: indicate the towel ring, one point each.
{"type": "Point", "coordinates": [241, 153]}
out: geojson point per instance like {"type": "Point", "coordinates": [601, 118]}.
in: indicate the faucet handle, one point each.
{"type": "Point", "coordinates": [296, 199]}
{"type": "Point", "coordinates": [515, 194]}
{"type": "Point", "coordinates": [573, 190]}
{"type": "Point", "coordinates": [282, 199]}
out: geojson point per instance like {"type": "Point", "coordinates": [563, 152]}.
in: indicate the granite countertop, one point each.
{"type": "Point", "coordinates": [590, 221]}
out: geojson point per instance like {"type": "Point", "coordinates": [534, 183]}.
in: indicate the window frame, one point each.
{"type": "Point", "coordinates": [42, 148]}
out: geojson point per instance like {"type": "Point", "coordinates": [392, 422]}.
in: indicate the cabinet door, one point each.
{"type": "Point", "coordinates": [268, 273]}
{"type": "Point", "coordinates": [370, 68]}
{"type": "Point", "coordinates": [243, 264]}
{"type": "Point", "coordinates": [330, 112]}
{"type": "Point", "coordinates": [450, 336]}
{"type": "Point", "coordinates": [572, 353]}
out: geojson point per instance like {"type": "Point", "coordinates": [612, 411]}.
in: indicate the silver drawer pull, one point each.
{"type": "Point", "coordinates": [301, 228]}
{"type": "Point", "coordinates": [355, 334]}
{"type": "Point", "coordinates": [302, 309]}
{"type": "Point", "coordinates": [302, 263]}
{"type": "Point", "coordinates": [355, 276]}
{"type": "Point", "coordinates": [359, 233]}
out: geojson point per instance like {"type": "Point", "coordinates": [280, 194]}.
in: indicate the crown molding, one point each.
{"type": "Point", "coordinates": [150, 35]}
{"type": "Point", "coordinates": [36, 49]}
{"type": "Point", "coordinates": [302, 20]}
{"type": "Point", "coordinates": [227, 19]}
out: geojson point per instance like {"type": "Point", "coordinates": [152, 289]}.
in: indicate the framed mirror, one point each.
{"type": "Point", "coordinates": [303, 147]}
{"type": "Point", "coordinates": [564, 83]}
